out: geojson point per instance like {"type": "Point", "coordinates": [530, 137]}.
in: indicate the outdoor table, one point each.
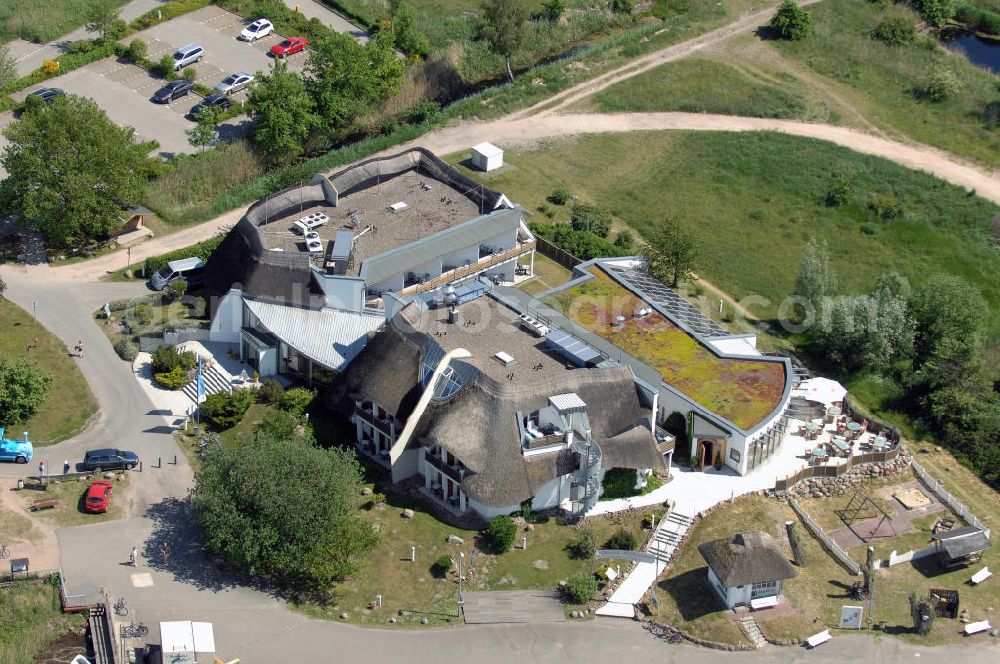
{"type": "Point", "coordinates": [840, 444]}
{"type": "Point", "coordinates": [833, 410]}
{"type": "Point", "coordinates": [854, 428]}
{"type": "Point", "coordinates": [819, 453]}
{"type": "Point", "coordinates": [879, 443]}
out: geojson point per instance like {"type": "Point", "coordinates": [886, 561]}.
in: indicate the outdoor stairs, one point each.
{"type": "Point", "coordinates": [215, 381]}
{"type": "Point", "coordinates": [100, 628]}
{"type": "Point", "coordinates": [668, 536]}
{"type": "Point", "coordinates": [752, 630]}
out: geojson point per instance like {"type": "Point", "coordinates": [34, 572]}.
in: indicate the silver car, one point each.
{"type": "Point", "coordinates": [234, 83]}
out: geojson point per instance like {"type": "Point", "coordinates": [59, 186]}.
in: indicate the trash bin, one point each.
{"type": "Point", "coordinates": [20, 484]}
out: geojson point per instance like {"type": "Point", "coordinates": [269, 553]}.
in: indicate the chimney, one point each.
{"type": "Point", "coordinates": [452, 315]}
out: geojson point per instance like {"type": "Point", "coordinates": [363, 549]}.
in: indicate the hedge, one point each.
{"type": "Point", "coordinates": [202, 250]}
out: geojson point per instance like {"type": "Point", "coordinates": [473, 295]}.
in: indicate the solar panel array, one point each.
{"type": "Point", "coordinates": [678, 309]}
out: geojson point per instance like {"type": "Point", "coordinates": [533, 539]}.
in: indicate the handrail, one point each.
{"type": "Point", "coordinates": [466, 270]}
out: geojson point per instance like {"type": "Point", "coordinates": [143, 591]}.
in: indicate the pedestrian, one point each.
{"type": "Point", "coordinates": [165, 552]}
{"type": "Point", "coordinates": [79, 348]}
{"type": "Point", "coordinates": [66, 467]}
{"type": "Point", "coordinates": [41, 470]}
{"type": "Point", "coordinates": [134, 557]}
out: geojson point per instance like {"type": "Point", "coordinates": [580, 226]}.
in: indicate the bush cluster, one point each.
{"type": "Point", "coordinates": [560, 196]}
{"type": "Point", "coordinates": [297, 400]}
{"type": "Point", "coordinates": [168, 358]}
{"type": "Point", "coordinates": [126, 350]}
{"type": "Point", "coordinates": [224, 411]}
{"type": "Point", "coordinates": [580, 588]}
{"type": "Point", "coordinates": [201, 250]}
{"type": "Point", "coordinates": [585, 546]}
{"type": "Point", "coordinates": [271, 391]}
{"type": "Point", "coordinates": [590, 218]}
{"type": "Point", "coordinates": [501, 532]}
{"type": "Point", "coordinates": [441, 566]}
{"type": "Point", "coordinates": [581, 244]}
{"type": "Point", "coordinates": [174, 379]}
{"type": "Point", "coordinates": [622, 540]}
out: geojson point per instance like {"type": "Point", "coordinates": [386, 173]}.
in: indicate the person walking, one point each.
{"type": "Point", "coordinates": [165, 552]}
{"type": "Point", "coordinates": [66, 467]}
{"type": "Point", "coordinates": [134, 557]}
{"type": "Point", "coordinates": [79, 348]}
{"type": "Point", "coordinates": [41, 470]}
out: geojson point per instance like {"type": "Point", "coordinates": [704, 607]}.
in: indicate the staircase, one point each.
{"type": "Point", "coordinates": [100, 628]}
{"type": "Point", "coordinates": [215, 381]}
{"type": "Point", "coordinates": [752, 630]}
{"type": "Point", "coordinates": [587, 480]}
{"type": "Point", "coordinates": [669, 535]}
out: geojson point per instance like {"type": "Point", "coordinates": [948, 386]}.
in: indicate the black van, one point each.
{"type": "Point", "coordinates": [110, 459]}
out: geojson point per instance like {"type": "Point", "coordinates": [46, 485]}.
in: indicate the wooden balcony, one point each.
{"type": "Point", "coordinates": [481, 265]}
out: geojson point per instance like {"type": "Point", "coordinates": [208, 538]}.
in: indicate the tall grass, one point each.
{"type": "Point", "coordinates": [42, 20]}
{"type": "Point", "coordinates": [30, 617]}
{"type": "Point", "coordinates": [184, 194]}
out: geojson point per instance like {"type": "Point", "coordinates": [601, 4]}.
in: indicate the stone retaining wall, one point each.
{"type": "Point", "coordinates": [821, 487]}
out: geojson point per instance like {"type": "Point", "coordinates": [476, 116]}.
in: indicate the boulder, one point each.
{"type": "Point", "coordinates": [343, 616]}
{"type": "Point", "coordinates": [407, 513]}
{"type": "Point", "coordinates": [455, 539]}
{"type": "Point", "coordinates": [424, 621]}
{"type": "Point", "coordinates": [392, 620]}
{"type": "Point", "coordinates": [529, 528]}
{"type": "Point", "coordinates": [367, 491]}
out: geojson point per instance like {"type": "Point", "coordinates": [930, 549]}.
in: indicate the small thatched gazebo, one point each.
{"type": "Point", "coordinates": [746, 567]}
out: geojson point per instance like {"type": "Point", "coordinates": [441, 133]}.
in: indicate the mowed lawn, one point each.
{"type": "Point", "coordinates": [42, 20]}
{"type": "Point", "coordinates": [756, 198]}
{"type": "Point", "coordinates": [69, 403]}
{"type": "Point", "coordinates": [411, 591]}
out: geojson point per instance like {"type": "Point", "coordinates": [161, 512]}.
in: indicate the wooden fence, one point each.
{"type": "Point", "coordinates": [549, 250]}
{"type": "Point", "coordinates": [842, 556]}
{"type": "Point", "coordinates": [835, 470]}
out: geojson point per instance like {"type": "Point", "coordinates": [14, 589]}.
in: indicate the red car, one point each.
{"type": "Point", "coordinates": [290, 46]}
{"type": "Point", "coordinates": [98, 495]}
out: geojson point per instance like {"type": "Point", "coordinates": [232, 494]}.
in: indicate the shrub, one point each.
{"type": "Point", "coordinates": [622, 540]}
{"type": "Point", "coordinates": [224, 411]}
{"type": "Point", "coordinates": [375, 499]}
{"type": "Point", "coordinates": [163, 67]}
{"type": "Point", "coordinates": [581, 244]}
{"type": "Point", "coordinates": [581, 588]}
{"type": "Point", "coordinates": [297, 400]}
{"type": "Point", "coordinates": [174, 379]}
{"type": "Point", "coordinates": [894, 31]}
{"type": "Point", "coordinates": [441, 566]}
{"type": "Point", "coordinates": [619, 483]}
{"type": "Point", "coordinates": [622, 6]}
{"type": "Point", "coordinates": [937, 12]}
{"type": "Point", "coordinates": [624, 240]}
{"type": "Point", "coordinates": [137, 50]}
{"type": "Point", "coordinates": [559, 196]}
{"type": "Point", "coordinates": [198, 307]}
{"type": "Point", "coordinates": [554, 9]}
{"type": "Point", "coordinates": [80, 46]}
{"type": "Point", "coordinates": [202, 250]}
{"type": "Point", "coordinates": [126, 350]}
{"type": "Point", "coordinates": [140, 315]}
{"type": "Point", "coordinates": [589, 218]}
{"type": "Point", "coordinates": [50, 67]}
{"type": "Point", "coordinates": [424, 111]}
{"type": "Point", "coordinates": [758, 214]}
{"type": "Point", "coordinates": [23, 388]}
{"type": "Point", "coordinates": [839, 192]}
{"type": "Point", "coordinates": [940, 83]}
{"type": "Point", "coordinates": [279, 425]}
{"type": "Point", "coordinates": [868, 228]}
{"type": "Point", "coordinates": [988, 23]}
{"type": "Point", "coordinates": [190, 74]}
{"type": "Point", "coordinates": [167, 358]}
{"type": "Point", "coordinates": [501, 533]}
{"type": "Point", "coordinates": [177, 288]}
{"type": "Point", "coordinates": [271, 391]}
{"type": "Point", "coordinates": [791, 21]}
{"type": "Point", "coordinates": [585, 546]}
{"type": "Point", "coordinates": [885, 207]}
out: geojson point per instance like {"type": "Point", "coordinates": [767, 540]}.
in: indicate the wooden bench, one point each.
{"type": "Point", "coordinates": [976, 627]}
{"type": "Point", "coordinates": [819, 639]}
{"type": "Point", "coordinates": [764, 602]}
{"type": "Point", "coordinates": [45, 503]}
{"type": "Point", "coordinates": [981, 576]}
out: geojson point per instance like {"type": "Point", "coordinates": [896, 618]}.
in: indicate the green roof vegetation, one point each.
{"type": "Point", "coordinates": [742, 391]}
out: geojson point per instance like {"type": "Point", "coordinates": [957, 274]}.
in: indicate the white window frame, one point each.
{"type": "Point", "coordinates": [765, 589]}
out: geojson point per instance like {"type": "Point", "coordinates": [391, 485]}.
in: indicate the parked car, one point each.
{"type": "Point", "coordinates": [110, 459]}
{"type": "Point", "coordinates": [171, 91]}
{"type": "Point", "coordinates": [234, 83]}
{"type": "Point", "coordinates": [257, 30]}
{"type": "Point", "coordinates": [98, 496]}
{"type": "Point", "coordinates": [290, 46]}
{"type": "Point", "coordinates": [189, 269]}
{"type": "Point", "coordinates": [216, 100]}
{"type": "Point", "coordinates": [47, 94]}
{"type": "Point", "coordinates": [18, 451]}
{"type": "Point", "coordinates": [187, 55]}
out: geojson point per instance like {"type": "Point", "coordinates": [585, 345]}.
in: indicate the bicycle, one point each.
{"type": "Point", "coordinates": [4, 551]}
{"type": "Point", "coordinates": [134, 631]}
{"type": "Point", "coordinates": [121, 608]}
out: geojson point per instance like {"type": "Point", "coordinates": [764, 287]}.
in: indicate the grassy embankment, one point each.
{"type": "Point", "coordinates": [42, 20]}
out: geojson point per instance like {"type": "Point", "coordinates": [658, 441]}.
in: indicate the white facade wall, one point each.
{"type": "Point", "coordinates": [460, 258]}
{"type": "Point", "coordinates": [489, 512]}
{"type": "Point", "coordinates": [347, 293]}
{"type": "Point", "coordinates": [228, 318]}
{"type": "Point", "coordinates": [551, 493]}
{"type": "Point", "coordinates": [393, 283]}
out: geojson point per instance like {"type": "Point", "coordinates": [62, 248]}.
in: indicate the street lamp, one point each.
{"type": "Point", "coordinates": [461, 557]}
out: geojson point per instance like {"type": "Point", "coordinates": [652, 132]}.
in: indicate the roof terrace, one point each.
{"type": "Point", "coordinates": [500, 346]}
{"type": "Point", "coordinates": [381, 215]}
{"type": "Point", "coordinates": [742, 391]}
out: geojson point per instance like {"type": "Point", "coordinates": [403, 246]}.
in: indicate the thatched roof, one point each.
{"type": "Point", "coordinates": [745, 558]}
{"type": "Point", "coordinates": [479, 423]}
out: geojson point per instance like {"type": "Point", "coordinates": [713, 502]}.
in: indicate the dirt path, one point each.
{"type": "Point", "coordinates": [40, 545]}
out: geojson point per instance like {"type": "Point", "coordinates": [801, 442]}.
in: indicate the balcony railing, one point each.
{"type": "Point", "coordinates": [382, 424]}
{"type": "Point", "coordinates": [454, 472]}
{"type": "Point", "coordinates": [468, 270]}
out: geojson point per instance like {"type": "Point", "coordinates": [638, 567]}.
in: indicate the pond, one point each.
{"type": "Point", "coordinates": [981, 52]}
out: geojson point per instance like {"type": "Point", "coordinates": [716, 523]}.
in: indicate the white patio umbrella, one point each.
{"type": "Point", "coordinates": [823, 390]}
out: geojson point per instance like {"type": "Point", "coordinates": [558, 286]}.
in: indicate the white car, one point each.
{"type": "Point", "coordinates": [234, 83]}
{"type": "Point", "coordinates": [257, 30]}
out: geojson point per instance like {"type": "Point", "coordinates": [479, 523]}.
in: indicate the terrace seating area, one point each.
{"type": "Point", "coordinates": [834, 437]}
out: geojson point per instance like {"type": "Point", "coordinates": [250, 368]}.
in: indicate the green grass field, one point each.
{"type": "Point", "coordinates": [42, 20]}
{"type": "Point", "coordinates": [758, 197]}
{"type": "Point", "coordinates": [71, 495]}
{"type": "Point", "coordinates": [838, 72]}
{"type": "Point", "coordinates": [703, 85]}
{"type": "Point", "coordinates": [30, 618]}
{"type": "Point", "coordinates": [69, 403]}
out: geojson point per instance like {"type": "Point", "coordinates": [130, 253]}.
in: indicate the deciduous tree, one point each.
{"type": "Point", "coordinates": [70, 170]}
{"type": "Point", "coordinates": [101, 16]}
{"type": "Point", "coordinates": [283, 112]}
{"type": "Point", "coordinates": [504, 24]}
{"type": "Point", "coordinates": [674, 251]}
{"type": "Point", "coordinates": [791, 21]}
{"type": "Point", "coordinates": [947, 310]}
{"type": "Point", "coordinates": [8, 69]}
{"type": "Point", "coordinates": [23, 387]}
{"type": "Point", "coordinates": [284, 509]}
{"type": "Point", "coordinates": [816, 281]}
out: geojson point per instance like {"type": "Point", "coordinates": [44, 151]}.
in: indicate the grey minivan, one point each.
{"type": "Point", "coordinates": [187, 55]}
{"type": "Point", "coordinates": [189, 269]}
{"type": "Point", "coordinates": [109, 459]}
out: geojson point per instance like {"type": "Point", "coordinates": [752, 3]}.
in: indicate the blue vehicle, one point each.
{"type": "Point", "coordinates": [19, 451]}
